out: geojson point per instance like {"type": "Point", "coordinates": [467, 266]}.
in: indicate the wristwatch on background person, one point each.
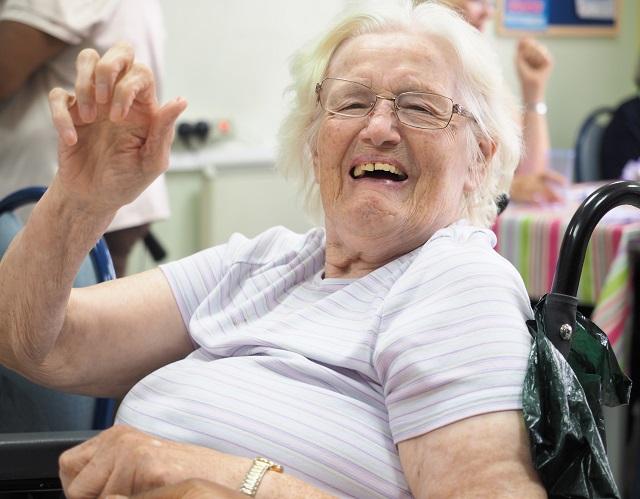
{"type": "Point", "coordinates": [539, 107]}
{"type": "Point", "coordinates": [256, 473]}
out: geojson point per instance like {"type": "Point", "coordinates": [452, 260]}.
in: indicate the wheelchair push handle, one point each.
{"type": "Point", "coordinates": [561, 303]}
{"type": "Point", "coordinates": [580, 228]}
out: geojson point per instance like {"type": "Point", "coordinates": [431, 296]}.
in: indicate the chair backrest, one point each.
{"type": "Point", "coordinates": [30, 462]}
{"type": "Point", "coordinates": [587, 161]}
{"type": "Point", "coordinates": [25, 406]}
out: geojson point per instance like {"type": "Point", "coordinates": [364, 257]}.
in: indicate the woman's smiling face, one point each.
{"type": "Point", "coordinates": [401, 213]}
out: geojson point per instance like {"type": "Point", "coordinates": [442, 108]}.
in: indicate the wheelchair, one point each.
{"type": "Point", "coordinates": [29, 461]}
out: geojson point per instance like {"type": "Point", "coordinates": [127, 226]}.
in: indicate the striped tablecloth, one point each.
{"type": "Point", "coordinates": [530, 237]}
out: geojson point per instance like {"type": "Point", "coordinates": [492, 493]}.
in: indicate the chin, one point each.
{"type": "Point", "coordinates": [374, 216]}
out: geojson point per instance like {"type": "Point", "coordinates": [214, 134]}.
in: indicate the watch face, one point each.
{"type": "Point", "coordinates": [540, 108]}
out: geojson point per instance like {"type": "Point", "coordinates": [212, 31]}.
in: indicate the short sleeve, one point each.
{"type": "Point", "coordinates": [453, 340]}
{"type": "Point", "coordinates": [193, 278]}
{"type": "Point", "coordinates": [68, 20]}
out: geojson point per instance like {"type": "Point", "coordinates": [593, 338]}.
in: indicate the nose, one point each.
{"type": "Point", "coordinates": [382, 125]}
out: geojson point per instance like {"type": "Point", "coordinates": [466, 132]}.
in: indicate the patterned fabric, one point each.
{"type": "Point", "coordinates": [326, 376]}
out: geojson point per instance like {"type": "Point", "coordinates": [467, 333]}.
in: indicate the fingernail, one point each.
{"type": "Point", "coordinates": [69, 136]}
{"type": "Point", "coordinates": [116, 111]}
{"type": "Point", "coordinates": [102, 92]}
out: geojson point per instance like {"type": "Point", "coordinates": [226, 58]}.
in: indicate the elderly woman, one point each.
{"type": "Point", "coordinates": [533, 182]}
{"type": "Point", "coordinates": [382, 355]}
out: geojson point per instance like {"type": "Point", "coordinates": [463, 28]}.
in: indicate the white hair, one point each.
{"type": "Point", "coordinates": [481, 87]}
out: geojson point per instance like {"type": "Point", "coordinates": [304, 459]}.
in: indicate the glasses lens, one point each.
{"type": "Point", "coordinates": [424, 110]}
{"type": "Point", "coordinates": [346, 98]}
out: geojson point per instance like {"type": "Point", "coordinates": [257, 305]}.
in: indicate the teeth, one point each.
{"type": "Point", "coordinates": [359, 170]}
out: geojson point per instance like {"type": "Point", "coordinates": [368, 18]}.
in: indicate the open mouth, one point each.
{"type": "Point", "coordinates": [383, 171]}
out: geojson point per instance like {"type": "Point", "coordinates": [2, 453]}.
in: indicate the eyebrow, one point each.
{"type": "Point", "coordinates": [412, 86]}
{"type": "Point", "coordinates": [418, 86]}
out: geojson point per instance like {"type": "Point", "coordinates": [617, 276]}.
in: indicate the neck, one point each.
{"type": "Point", "coordinates": [353, 256]}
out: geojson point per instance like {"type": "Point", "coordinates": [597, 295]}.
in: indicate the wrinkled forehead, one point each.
{"type": "Point", "coordinates": [397, 61]}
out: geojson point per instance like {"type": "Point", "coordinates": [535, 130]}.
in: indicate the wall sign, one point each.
{"type": "Point", "coordinates": [559, 17]}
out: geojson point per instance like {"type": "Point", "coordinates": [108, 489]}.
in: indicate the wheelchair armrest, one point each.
{"type": "Point", "coordinates": [30, 460]}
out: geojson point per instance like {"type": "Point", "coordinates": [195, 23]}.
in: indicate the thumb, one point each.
{"type": "Point", "coordinates": [162, 129]}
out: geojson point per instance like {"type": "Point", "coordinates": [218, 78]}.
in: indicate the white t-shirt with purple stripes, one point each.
{"type": "Point", "coordinates": [326, 376]}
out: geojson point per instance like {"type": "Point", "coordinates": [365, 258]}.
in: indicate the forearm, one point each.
{"type": "Point", "coordinates": [536, 142]}
{"type": "Point", "coordinates": [534, 64]}
{"type": "Point", "coordinates": [37, 274]}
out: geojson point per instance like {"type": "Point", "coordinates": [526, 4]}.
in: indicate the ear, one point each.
{"type": "Point", "coordinates": [487, 149]}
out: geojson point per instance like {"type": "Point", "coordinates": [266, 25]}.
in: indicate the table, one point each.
{"type": "Point", "coordinates": [530, 236]}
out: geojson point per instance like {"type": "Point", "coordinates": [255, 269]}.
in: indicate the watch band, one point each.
{"type": "Point", "coordinates": [256, 473]}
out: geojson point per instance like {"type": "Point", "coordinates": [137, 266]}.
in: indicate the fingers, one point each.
{"type": "Point", "coordinates": [74, 460]}
{"type": "Point", "coordinates": [162, 130]}
{"type": "Point", "coordinates": [549, 195]}
{"type": "Point", "coordinates": [60, 103]}
{"type": "Point", "coordinates": [554, 177]}
{"type": "Point", "coordinates": [534, 53]}
{"type": "Point", "coordinates": [84, 87]}
{"type": "Point", "coordinates": [114, 63]}
{"type": "Point", "coordinates": [97, 77]}
{"type": "Point", "coordinates": [91, 480]}
{"type": "Point", "coordinates": [137, 83]}
{"type": "Point", "coordinates": [548, 190]}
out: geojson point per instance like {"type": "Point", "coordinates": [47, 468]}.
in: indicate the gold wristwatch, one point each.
{"type": "Point", "coordinates": [256, 473]}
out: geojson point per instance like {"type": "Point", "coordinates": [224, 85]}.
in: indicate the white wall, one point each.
{"type": "Point", "coordinates": [230, 58]}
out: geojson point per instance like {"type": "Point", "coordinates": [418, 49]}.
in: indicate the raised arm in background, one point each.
{"type": "Point", "coordinates": [534, 181]}
{"type": "Point", "coordinates": [533, 64]}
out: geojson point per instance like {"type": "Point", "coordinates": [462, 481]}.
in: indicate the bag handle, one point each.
{"type": "Point", "coordinates": [562, 303]}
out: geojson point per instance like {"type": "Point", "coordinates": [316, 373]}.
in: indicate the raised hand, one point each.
{"type": "Point", "coordinates": [114, 138]}
{"type": "Point", "coordinates": [534, 64]}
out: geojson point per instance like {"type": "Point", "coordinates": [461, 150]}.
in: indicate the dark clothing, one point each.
{"type": "Point", "coordinates": [621, 139]}
{"type": "Point", "coordinates": [120, 243]}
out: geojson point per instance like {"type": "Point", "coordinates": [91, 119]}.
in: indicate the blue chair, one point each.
{"type": "Point", "coordinates": [25, 406]}
{"type": "Point", "coordinates": [587, 162]}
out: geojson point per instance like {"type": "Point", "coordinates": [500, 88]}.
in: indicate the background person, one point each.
{"type": "Point", "coordinates": [40, 43]}
{"type": "Point", "coordinates": [367, 356]}
{"type": "Point", "coordinates": [621, 138]}
{"type": "Point", "coordinates": [533, 181]}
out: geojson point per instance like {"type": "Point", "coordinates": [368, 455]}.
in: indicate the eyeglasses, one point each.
{"type": "Point", "coordinates": [415, 109]}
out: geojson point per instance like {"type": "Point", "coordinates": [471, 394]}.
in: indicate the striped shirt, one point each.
{"type": "Point", "coordinates": [326, 376]}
